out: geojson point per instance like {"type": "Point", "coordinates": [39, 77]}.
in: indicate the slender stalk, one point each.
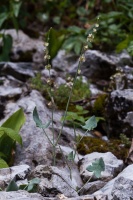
{"type": "Point", "coordinates": [85, 183]}
{"type": "Point", "coordinates": [66, 163]}
{"type": "Point", "coordinates": [68, 102]}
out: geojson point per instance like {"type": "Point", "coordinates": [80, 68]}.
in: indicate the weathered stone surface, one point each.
{"type": "Point", "coordinates": [100, 65]}
{"type": "Point", "coordinates": [10, 93]}
{"type": "Point", "coordinates": [63, 61]}
{"type": "Point", "coordinates": [112, 166]}
{"type": "Point", "coordinates": [20, 195]}
{"type": "Point", "coordinates": [25, 49]}
{"type": "Point", "coordinates": [92, 187]}
{"type": "Point", "coordinates": [16, 172]}
{"type": "Point", "coordinates": [54, 181]}
{"type": "Point", "coordinates": [20, 71]}
{"type": "Point", "coordinates": [119, 188]}
{"type": "Point", "coordinates": [120, 112]}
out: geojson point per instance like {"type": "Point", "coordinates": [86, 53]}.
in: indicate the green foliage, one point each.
{"type": "Point", "coordinates": [38, 121]}
{"type": "Point", "coordinates": [30, 187]}
{"type": "Point", "coordinates": [99, 105]}
{"type": "Point", "coordinates": [91, 123]}
{"type": "Point", "coordinates": [61, 93]}
{"type": "Point", "coordinates": [55, 39]}
{"type": "Point", "coordinates": [6, 48]}
{"type": "Point", "coordinates": [97, 167]}
{"type": "Point", "coordinates": [12, 186]}
{"type": "Point", "coordinates": [9, 135]}
{"type": "Point", "coordinates": [9, 12]}
{"type": "Point", "coordinates": [77, 117]}
{"type": "Point", "coordinates": [125, 140]}
{"type": "Point", "coordinates": [115, 22]}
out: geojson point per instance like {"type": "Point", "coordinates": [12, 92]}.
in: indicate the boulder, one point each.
{"type": "Point", "coordinates": [19, 172]}
{"type": "Point", "coordinates": [119, 188]}
{"type": "Point", "coordinates": [20, 71]}
{"type": "Point", "coordinates": [112, 166]}
{"type": "Point", "coordinates": [54, 181]}
{"type": "Point", "coordinates": [119, 113]}
{"type": "Point", "coordinates": [20, 195]}
{"type": "Point", "coordinates": [100, 66]}
{"type": "Point", "coordinates": [25, 49]}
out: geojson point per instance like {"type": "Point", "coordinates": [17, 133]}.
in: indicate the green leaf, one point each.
{"type": "Point", "coordinates": [38, 121]}
{"type": "Point", "coordinates": [97, 167]}
{"type": "Point", "coordinates": [70, 156]}
{"type": "Point", "coordinates": [15, 121]}
{"type": "Point", "coordinates": [36, 118]}
{"type": "Point", "coordinates": [16, 7]}
{"type": "Point", "coordinates": [90, 124]}
{"type": "Point", "coordinates": [3, 17]}
{"type": "Point", "coordinates": [12, 134]}
{"type": "Point", "coordinates": [33, 183]}
{"type": "Point", "coordinates": [6, 48]}
{"type": "Point", "coordinates": [3, 164]}
{"type": "Point", "coordinates": [56, 39]}
{"type": "Point", "coordinates": [12, 186]}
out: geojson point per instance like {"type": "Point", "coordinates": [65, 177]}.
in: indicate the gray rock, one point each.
{"type": "Point", "coordinates": [20, 71]}
{"type": "Point", "coordinates": [112, 166]}
{"type": "Point", "coordinates": [54, 181]}
{"type": "Point", "coordinates": [20, 195]}
{"type": "Point", "coordinates": [10, 93]}
{"type": "Point", "coordinates": [26, 49]}
{"type": "Point", "coordinates": [120, 112]}
{"type": "Point", "coordinates": [63, 61]}
{"type": "Point", "coordinates": [100, 65]}
{"type": "Point", "coordinates": [119, 188]}
{"type": "Point", "coordinates": [16, 172]}
{"type": "Point", "coordinates": [46, 74]}
{"type": "Point", "coordinates": [92, 187]}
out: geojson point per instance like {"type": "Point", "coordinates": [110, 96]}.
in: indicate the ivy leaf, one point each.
{"type": "Point", "coordinates": [97, 167]}
{"type": "Point", "coordinates": [12, 186]}
{"type": "Point", "coordinates": [38, 121]}
{"type": "Point", "coordinates": [90, 124]}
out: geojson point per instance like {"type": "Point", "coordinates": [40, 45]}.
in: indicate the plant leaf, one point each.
{"type": "Point", "coordinates": [12, 134]}
{"type": "Point", "coordinates": [97, 167]}
{"type": "Point", "coordinates": [3, 17]}
{"type": "Point", "coordinates": [38, 121]}
{"type": "Point", "coordinates": [90, 124]}
{"type": "Point", "coordinates": [16, 7]}
{"type": "Point", "coordinates": [12, 186]}
{"type": "Point", "coordinates": [15, 121]}
{"type": "Point", "coordinates": [32, 183]}
{"type": "Point", "coordinates": [3, 164]}
{"type": "Point", "coordinates": [70, 156]}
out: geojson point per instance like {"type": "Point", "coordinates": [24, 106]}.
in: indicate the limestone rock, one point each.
{"type": "Point", "coordinates": [112, 166]}
{"type": "Point", "coordinates": [20, 71]}
{"type": "Point", "coordinates": [16, 172]}
{"type": "Point", "coordinates": [99, 65]}
{"type": "Point", "coordinates": [54, 181]}
{"type": "Point", "coordinates": [20, 195]}
{"type": "Point", "coordinates": [120, 112]}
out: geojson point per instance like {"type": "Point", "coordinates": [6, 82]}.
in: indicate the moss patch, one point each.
{"type": "Point", "coordinates": [89, 145]}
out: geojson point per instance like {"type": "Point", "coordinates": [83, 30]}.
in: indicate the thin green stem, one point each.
{"type": "Point", "coordinates": [66, 162]}
{"type": "Point", "coordinates": [68, 102]}
{"type": "Point", "coordinates": [85, 183]}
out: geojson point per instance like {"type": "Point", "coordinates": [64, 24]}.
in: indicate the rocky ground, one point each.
{"type": "Point", "coordinates": [34, 159]}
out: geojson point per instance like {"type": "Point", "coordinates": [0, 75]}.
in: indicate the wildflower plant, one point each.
{"type": "Point", "coordinates": [90, 124]}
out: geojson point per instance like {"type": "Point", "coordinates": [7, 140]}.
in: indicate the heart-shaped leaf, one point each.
{"type": "Point", "coordinates": [97, 167]}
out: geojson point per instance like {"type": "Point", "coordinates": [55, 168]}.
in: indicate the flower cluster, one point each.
{"type": "Point", "coordinates": [90, 39]}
